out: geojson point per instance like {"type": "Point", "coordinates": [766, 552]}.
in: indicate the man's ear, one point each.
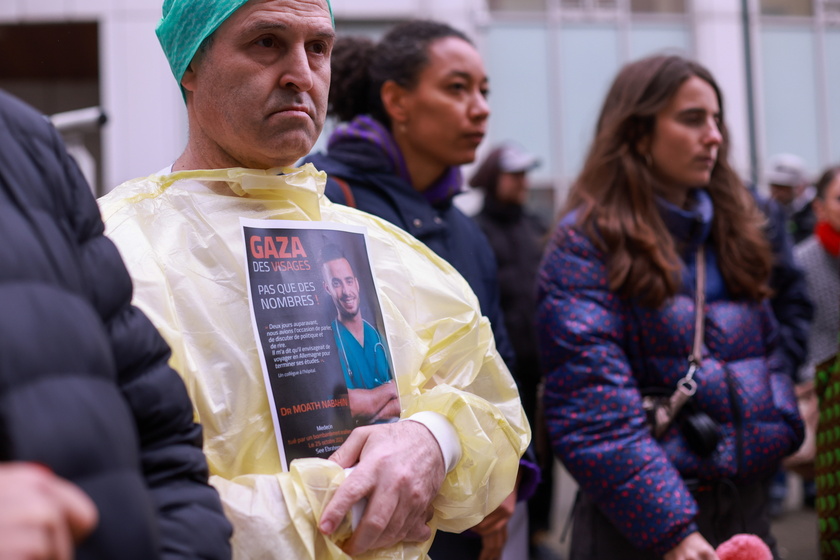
{"type": "Point", "coordinates": [189, 78]}
{"type": "Point", "coordinates": [394, 100]}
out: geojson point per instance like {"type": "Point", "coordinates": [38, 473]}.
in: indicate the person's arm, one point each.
{"type": "Point", "coordinates": [782, 384]}
{"type": "Point", "coordinates": [369, 405]}
{"type": "Point", "coordinates": [593, 404]}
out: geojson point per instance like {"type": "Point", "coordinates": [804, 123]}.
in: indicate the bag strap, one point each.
{"type": "Point", "coordinates": [696, 355]}
{"type": "Point", "coordinates": [349, 199]}
{"type": "Point", "coordinates": [686, 387]}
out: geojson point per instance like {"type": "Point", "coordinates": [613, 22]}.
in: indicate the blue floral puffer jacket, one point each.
{"type": "Point", "coordinates": [599, 350]}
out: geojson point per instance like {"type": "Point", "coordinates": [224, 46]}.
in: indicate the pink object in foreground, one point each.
{"type": "Point", "coordinates": [744, 547]}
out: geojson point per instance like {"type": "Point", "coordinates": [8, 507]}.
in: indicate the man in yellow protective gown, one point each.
{"type": "Point", "coordinates": [255, 77]}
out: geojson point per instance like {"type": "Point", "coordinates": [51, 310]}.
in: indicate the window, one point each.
{"type": "Point", "coordinates": [517, 5]}
{"type": "Point", "coordinates": [55, 68]}
{"type": "Point", "coordinates": [635, 6]}
{"type": "Point", "coordinates": [832, 9]}
{"type": "Point", "coordinates": [787, 7]}
{"type": "Point", "coordinates": [591, 5]}
{"type": "Point", "coordinates": [551, 67]}
{"type": "Point", "coordinates": [658, 6]}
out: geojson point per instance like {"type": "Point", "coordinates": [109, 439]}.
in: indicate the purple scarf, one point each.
{"type": "Point", "coordinates": [367, 128]}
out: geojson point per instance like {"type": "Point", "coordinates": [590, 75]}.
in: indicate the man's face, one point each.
{"type": "Point", "coordinates": [258, 95]}
{"type": "Point", "coordinates": [340, 282]}
{"type": "Point", "coordinates": [783, 194]}
{"type": "Point", "coordinates": [512, 188]}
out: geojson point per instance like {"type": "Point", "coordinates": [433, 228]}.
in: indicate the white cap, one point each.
{"type": "Point", "coordinates": [513, 159]}
{"type": "Point", "coordinates": [787, 170]}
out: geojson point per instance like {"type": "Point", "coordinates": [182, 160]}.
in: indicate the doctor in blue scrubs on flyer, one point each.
{"type": "Point", "coordinates": [364, 361]}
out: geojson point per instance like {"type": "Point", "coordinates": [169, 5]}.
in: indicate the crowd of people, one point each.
{"type": "Point", "coordinates": [657, 339]}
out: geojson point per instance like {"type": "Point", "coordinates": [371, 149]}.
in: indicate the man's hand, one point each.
{"type": "Point", "coordinates": [399, 469]}
{"type": "Point", "coordinates": [372, 405]}
{"type": "Point", "coordinates": [693, 547]}
{"type": "Point", "coordinates": [493, 529]}
{"type": "Point", "coordinates": [42, 516]}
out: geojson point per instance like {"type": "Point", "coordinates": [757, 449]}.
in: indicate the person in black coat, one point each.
{"type": "Point", "coordinates": [99, 454]}
{"type": "Point", "coordinates": [791, 305]}
{"type": "Point", "coordinates": [794, 312]}
{"type": "Point", "coordinates": [517, 237]}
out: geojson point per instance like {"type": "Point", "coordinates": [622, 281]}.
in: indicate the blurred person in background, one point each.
{"type": "Point", "coordinates": [791, 204]}
{"type": "Point", "coordinates": [819, 257]}
{"type": "Point", "coordinates": [787, 177]}
{"type": "Point", "coordinates": [413, 108]}
{"type": "Point", "coordinates": [794, 312]}
{"type": "Point", "coordinates": [517, 237]}
{"type": "Point", "coordinates": [656, 278]}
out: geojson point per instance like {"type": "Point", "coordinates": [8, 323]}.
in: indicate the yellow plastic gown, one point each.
{"type": "Point", "coordinates": [181, 239]}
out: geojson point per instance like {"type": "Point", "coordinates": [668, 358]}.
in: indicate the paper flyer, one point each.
{"type": "Point", "coordinates": [320, 333]}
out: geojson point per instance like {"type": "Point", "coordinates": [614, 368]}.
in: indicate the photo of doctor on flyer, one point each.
{"type": "Point", "coordinates": [361, 352]}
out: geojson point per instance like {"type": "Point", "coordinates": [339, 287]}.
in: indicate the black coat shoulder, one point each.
{"type": "Point", "coordinates": [84, 383]}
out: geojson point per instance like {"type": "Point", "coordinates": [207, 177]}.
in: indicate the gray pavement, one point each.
{"type": "Point", "coordinates": [796, 533]}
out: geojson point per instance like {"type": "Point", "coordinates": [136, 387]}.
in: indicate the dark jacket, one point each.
{"type": "Point", "coordinates": [801, 222]}
{"type": "Point", "coordinates": [599, 350]}
{"type": "Point", "coordinates": [378, 190]}
{"type": "Point", "coordinates": [84, 383]}
{"type": "Point", "coordinates": [517, 241]}
{"type": "Point", "coordinates": [791, 304]}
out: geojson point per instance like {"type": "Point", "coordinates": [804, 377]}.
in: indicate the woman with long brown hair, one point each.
{"type": "Point", "coordinates": [656, 283]}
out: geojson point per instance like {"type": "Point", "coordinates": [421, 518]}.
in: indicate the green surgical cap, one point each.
{"type": "Point", "coordinates": [187, 23]}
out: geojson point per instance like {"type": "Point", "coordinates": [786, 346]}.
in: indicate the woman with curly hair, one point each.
{"type": "Point", "coordinates": [656, 282]}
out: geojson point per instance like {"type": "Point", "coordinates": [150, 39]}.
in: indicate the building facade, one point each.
{"type": "Point", "coordinates": [549, 61]}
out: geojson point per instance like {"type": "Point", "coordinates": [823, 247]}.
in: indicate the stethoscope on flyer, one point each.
{"type": "Point", "coordinates": [380, 360]}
